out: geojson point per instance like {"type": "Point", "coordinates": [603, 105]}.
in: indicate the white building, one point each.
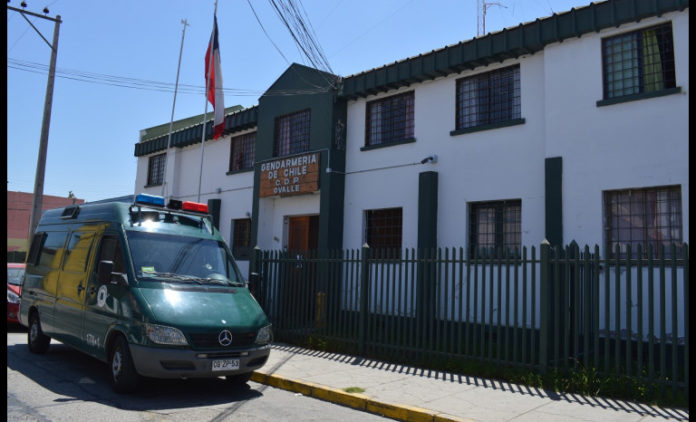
{"type": "Point", "coordinates": [574, 127]}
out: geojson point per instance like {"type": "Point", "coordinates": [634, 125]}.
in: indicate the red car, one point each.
{"type": "Point", "coordinates": [15, 276]}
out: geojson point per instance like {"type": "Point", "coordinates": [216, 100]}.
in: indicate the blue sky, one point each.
{"type": "Point", "coordinates": [117, 63]}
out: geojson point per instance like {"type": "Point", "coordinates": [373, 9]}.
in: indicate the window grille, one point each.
{"type": "Point", "coordinates": [389, 120]}
{"type": "Point", "coordinates": [292, 134]}
{"type": "Point", "coordinates": [638, 62]}
{"type": "Point", "coordinates": [241, 238]}
{"type": "Point", "coordinates": [155, 171]}
{"type": "Point", "coordinates": [383, 231]}
{"type": "Point", "coordinates": [242, 151]}
{"type": "Point", "coordinates": [495, 225]}
{"type": "Point", "coordinates": [488, 98]}
{"type": "Point", "coordinates": [651, 216]}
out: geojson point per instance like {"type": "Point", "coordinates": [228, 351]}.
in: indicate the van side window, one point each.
{"type": "Point", "coordinates": [49, 255]}
{"type": "Point", "coordinates": [36, 245]}
{"type": "Point", "coordinates": [110, 250]}
{"type": "Point", "coordinates": [77, 254]}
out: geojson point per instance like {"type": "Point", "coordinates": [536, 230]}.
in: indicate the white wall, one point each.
{"type": "Point", "coordinates": [628, 145]}
{"type": "Point", "coordinates": [497, 164]}
{"type": "Point", "coordinates": [634, 144]}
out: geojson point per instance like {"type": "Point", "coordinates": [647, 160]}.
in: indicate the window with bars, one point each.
{"type": "Point", "coordinates": [242, 151]}
{"type": "Point", "coordinates": [241, 238]}
{"type": "Point", "coordinates": [651, 216]}
{"type": "Point", "coordinates": [488, 98]}
{"type": "Point", "coordinates": [389, 120]}
{"type": "Point", "coordinates": [495, 226]}
{"type": "Point", "coordinates": [292, 134]}
{"type": "Point", "coordinates": [383, 229]}
{"type": "Point", "coordinates": [155, 170]}
{"type": "Point", "coordinates": [638, 62]}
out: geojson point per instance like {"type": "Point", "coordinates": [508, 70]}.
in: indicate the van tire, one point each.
{"type": "Point", "coordinates": [239, 380]}
{"type": "Point", "coordinates": [124, 378]}
{"type": "Point", "coordinates": [37, 341]}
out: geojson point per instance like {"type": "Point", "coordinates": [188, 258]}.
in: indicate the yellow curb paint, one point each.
{"type": "Point", "coordinates": [356, 401]}
{"type": "Point", "coordinates": [442, 417]}
{"type": "Point", "coordinates": [401, 412]}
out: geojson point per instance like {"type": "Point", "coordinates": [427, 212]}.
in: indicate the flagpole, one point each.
{"type": "Point", "coordinates": [171, 121]}
{"type": "Point", "coordinates": [205, 115]}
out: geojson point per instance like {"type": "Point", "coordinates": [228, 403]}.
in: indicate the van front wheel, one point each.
{"type": "Point", "coordinates": [37, 341]}
{"type": "Point", "coordinates": [124, 379]}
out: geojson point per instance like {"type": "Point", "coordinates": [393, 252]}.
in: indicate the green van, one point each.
{"type": "Point", "coordinates": [152, 290]}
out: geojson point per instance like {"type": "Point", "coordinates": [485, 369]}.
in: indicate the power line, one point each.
{"type": "Point", "coordinates": [144, 84]}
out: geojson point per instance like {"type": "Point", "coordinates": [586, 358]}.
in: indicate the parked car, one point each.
{"type": "Point", "coordinates": [15, 275]}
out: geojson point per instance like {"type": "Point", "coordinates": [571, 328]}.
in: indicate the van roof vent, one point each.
{"type": "Point", "coordinates": [70, 211]}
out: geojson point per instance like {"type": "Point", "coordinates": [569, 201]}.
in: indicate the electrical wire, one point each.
{"type": "Point", "coordinates": [144, 84]}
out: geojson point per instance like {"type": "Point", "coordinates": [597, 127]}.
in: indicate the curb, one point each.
{"type": "Point", "coordinates": [361, 402]}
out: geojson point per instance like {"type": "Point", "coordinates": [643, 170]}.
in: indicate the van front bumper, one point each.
{"type": "Point", "coordinates": [183, 363]}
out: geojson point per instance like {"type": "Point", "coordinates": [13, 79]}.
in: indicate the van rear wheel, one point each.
{"type": "Point", "coordinates": [124, 378]}
{"type": "Point", "coordinates": [37, 341]}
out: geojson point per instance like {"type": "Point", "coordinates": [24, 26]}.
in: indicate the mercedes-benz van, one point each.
{"type": "Point", "coordinates": [152, 290]}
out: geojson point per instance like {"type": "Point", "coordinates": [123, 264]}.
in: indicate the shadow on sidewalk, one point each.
{"type": "Point", "coordinates": [442, 376]}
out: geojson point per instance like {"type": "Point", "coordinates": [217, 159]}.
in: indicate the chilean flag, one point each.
{"type": "Point", "coordinates": [214, 78]}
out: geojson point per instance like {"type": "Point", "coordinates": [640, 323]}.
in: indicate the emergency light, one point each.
{"type": "Point", "coordinates": [158, 201]}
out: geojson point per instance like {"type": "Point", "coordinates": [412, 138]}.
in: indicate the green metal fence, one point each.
{"type": "Point", "coordinates": [539, 308]}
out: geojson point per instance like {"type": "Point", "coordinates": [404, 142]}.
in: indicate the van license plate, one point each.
{"type": "Point", "coordinates": [225, 365]}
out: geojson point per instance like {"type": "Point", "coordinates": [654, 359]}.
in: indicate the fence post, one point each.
{"type": "Point", "coordinates": [364, 297]}
{"type": "Point", "coordinates": [255, 273]}
{"type": "Point", "coordinates": [544, 305]}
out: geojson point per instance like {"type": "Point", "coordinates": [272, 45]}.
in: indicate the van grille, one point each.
{"type": "Point", "coordinates": [210, 340]}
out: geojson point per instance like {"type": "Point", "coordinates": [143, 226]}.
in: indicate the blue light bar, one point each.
{"type": "Point", "coordinates": [144, 198]}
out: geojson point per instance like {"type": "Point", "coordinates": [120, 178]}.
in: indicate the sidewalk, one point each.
{"type": "Point", "coordinates": [411, 394]}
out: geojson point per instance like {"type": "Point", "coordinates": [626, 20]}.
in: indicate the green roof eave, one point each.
{"type": "Point", "coordinates": [188, 135]}
{"type": "Point", "coordinates": [160, 130]}
{"type": "Point", "coordinates": [509, 43]}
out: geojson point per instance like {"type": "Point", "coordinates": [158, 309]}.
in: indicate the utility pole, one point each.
{"type": "Point", "coordinates": [481, 14]}
{"type": "Point", "coordinates": [48, 102]}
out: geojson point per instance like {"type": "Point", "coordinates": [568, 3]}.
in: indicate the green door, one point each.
{"type": "Point", "coordinates": [70, 292]}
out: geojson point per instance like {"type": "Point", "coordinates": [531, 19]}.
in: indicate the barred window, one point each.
{"type": "Point", "coordinates": [155, 171]}
{"type": "Point", "coordinates": [488, 98]}
{"type": "Point", "coordinates": [242, 151]}
{"type": "Point", "coordinates": [383, 229]}
{"type": "Point", "coordinates": [651, 216]}
{"type": "Point", "coordinates": [292, 134]}
{"type": "Point", "coordinates": [495, 225]}
{"type": "Point", "coordinates": [389, 120]}
{"type": "Point", "coordinates": [241, 238]}
{"type": "Point", "coordinates": [639, 61]}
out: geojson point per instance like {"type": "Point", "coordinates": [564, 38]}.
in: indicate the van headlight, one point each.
{"type": "Point", "coordinates": [12, 297]}
{"type": "Point", "coordinates": [161, 334]}
{"type": "Point", "coordinates": [264, 336]}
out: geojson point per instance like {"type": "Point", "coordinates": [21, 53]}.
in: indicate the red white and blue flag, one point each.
{"type": "Point", "coordinates": [214, 79]}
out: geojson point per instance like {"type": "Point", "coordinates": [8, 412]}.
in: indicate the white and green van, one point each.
{"type": "Point", "coordinates": [152, 290]}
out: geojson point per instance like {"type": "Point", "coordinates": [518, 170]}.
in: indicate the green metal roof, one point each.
{"type": "Point", "coordinates": [161, 130]}
{"type": "Point", "coordinates": [190, 130]}
{"type": "Point", "coordinates": [509, 43]}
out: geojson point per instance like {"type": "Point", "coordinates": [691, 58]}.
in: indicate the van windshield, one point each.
{"type": "Point", "coordinates": [182, 259]}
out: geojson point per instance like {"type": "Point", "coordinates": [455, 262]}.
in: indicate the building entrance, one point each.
{"type": "Point", "coordinates": [301, 271]}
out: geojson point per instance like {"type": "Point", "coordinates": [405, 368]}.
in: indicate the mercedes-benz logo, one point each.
{"type": "Point", "coordinates": [225, 337]}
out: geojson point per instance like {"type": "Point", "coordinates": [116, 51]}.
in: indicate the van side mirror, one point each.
{"type": "Point", "coordinates": [105, 274]}
{"type": "Point", "coordinates": [104, 271]}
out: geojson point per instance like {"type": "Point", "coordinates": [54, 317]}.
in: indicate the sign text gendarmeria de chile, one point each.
{"type": "Point", "coordinates": [290, 176]}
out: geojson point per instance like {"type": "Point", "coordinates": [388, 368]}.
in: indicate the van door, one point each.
{"type": "Point", "coordinates": [72, 285]}
{"type": "Point", "coordinates": [104, 304]}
